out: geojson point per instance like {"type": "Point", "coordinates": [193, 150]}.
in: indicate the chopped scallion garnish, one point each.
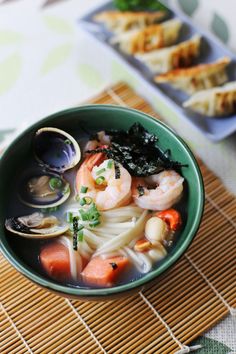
{"type": "Point", "coordinates": [55, 183]}
{"type": "Point", "coordinates": [93, 216]}
{"type": "Point", "coordinates": [67, 141]}
{"type": "Point", "coordinates": [110, 164]}
{"type": "Point", "coordinates": [80, 235]}
{"type": "Point", "coordinates": [82, 201]}
{"type": "Point", "coordinates": [90, 214]}
{"type": "Point", "coordinates": [80, 227]}
{"type": "Point", "coordinates": [100, 180]}
{"type": "Point", "coordinates": [100, 171]}
{"type": "Point", "coordinates": [83, 189]}
{"type": "Point", "coordinates": [83, 214]}
{"type": "Point", "coordinates": [94, 223]}
{"type": "Point", "coordinates": [70, 217]}
{"type": "Point", "coordinates": [88, 200]}
{"type": "Point", "coordinates": [85, 200]}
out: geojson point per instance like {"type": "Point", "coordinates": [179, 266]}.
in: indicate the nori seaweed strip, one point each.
{"type": "Point", "coordinates": [137, 150]}
{"type": "Point", "coordinates": [75, 232]}
{"type": "Point", "coordinates": [18, 226]}
{"type": "Point", "coordinates": [97, 150]}
{"type": "Point", "coordinates": [113, 265]}
{"type": "Point", "coordinates": [117, 170]}
{"type": "Point", "coordinates": [140, 190]}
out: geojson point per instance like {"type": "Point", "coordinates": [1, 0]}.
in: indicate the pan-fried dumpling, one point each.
{"type": "Point", "coordinates": [197, 78]}
{"type": "Point", "coordinates": [149, 38]}
{"type": "Point", "coordinates": [117, 21]}
{"type": "Point", "coordinates": [176, 56]}
{"type": "Point", "coordinates": [217, 101]}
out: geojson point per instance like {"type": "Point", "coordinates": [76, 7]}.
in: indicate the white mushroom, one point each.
{"type": "Point", "coordinates": [156, 230]}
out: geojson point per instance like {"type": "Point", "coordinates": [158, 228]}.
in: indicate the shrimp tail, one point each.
{"type": "Point", "coordinates": [172, 217]}
{"type": "Point", "coordinates": [94, 160]}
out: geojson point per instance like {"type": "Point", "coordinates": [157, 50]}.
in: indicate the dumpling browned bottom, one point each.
{"type": "Point", "coordinates": [219, 101]}
{"type": "Point", "coordinates": [197, 78]}
{"type": "Point", "coordinates": [176, 56]}
{"type": "Point", "coordinates": [149, 38]}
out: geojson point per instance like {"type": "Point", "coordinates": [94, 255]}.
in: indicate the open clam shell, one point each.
{"type": "Point", "coordinates": [36, 226]}
{"type": "Point", "coordinates": [40, 189]}
{"type": "Point", "coordinates": [56, 149]}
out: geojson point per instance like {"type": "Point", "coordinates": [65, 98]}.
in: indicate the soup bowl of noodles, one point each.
{"type": "Point", "coordinates": [98, 201]}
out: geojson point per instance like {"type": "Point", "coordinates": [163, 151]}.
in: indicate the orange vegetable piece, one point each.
{"type": "Point", "coordinates": [142, 245]}
{"type": "Point", "coordinates": [103, 272]}
{"type": "Point", "coordinates": [55, 260]}
{"type": "Point", "coordinates": [172, 217]}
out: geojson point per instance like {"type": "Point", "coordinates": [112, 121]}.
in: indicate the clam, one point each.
{"type": "Point", "coordinates": [56, 150]}
{"type": "Point", "coordinates": [43, 190]}
{"type": "Point", "coordinates": [36, 226]}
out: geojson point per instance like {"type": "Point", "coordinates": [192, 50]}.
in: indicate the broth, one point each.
{"type": "Point", "coordinates": [29, 250]}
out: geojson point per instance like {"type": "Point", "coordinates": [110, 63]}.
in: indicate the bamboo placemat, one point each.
{"type": "Point", "coordinates": [192, 297]}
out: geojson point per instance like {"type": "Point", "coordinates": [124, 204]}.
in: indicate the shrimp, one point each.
{"type": "Point", "coordinates": [100, 183]}
{"type": "Point", "coordinates": [101, 139]}
{"type": "Point", "coordinates": [167, 191]}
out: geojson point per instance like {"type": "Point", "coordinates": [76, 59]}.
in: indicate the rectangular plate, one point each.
{"type": "Point", "coordinates": [211, 49]}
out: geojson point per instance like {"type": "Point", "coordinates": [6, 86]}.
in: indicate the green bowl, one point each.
{"type": "Point", "coordinates": [100, 117]}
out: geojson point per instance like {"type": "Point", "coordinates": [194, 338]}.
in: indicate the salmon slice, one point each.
{"type": "Point", "coordinates": [103, 272]}
{"type": "Point", "coordinates": [55, 260]}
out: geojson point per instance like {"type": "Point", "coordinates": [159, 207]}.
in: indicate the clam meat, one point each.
{"type": "Point", "coordinates": [43, 190]}
{"type": "Point", "coordinates": [36, 225]}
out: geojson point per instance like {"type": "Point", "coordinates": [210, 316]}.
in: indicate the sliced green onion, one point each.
{"type": "Point", "coordinates": [100, 171]}
{"type": "Point", "coordinates": [70, 217]}
{"type": "Point", "coordinates": [88, 200]}
{"type": "Point", "coordinates": [85, 200]}
{"type": "Point", "coordinates": [90, 214]}
{"type": "Point", "coordinates": [55, 183]}
{"type": "Point", "coordinates": [93, 217]}
{"type": "Point", "coordinates": [55, 208]}
{"type": "Point", "coordinates": [110, 164]}
{"type": "Point", "coordinates": [100, 180]}
{"type": "Point", "coordinates": [82, 201]}
{"type": "Point", "coordinates": [84, 215]}
{"type": "Point", "coordinates": [94, 223]}
{"type": "Point", "coordinates": [80, 227]}
{"type": "Point", "coordinates": [83, 189]}
{"type": "Point", "coordinates": [67, 141]}
{"type": "Point", "coordinates": [80, 235]}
